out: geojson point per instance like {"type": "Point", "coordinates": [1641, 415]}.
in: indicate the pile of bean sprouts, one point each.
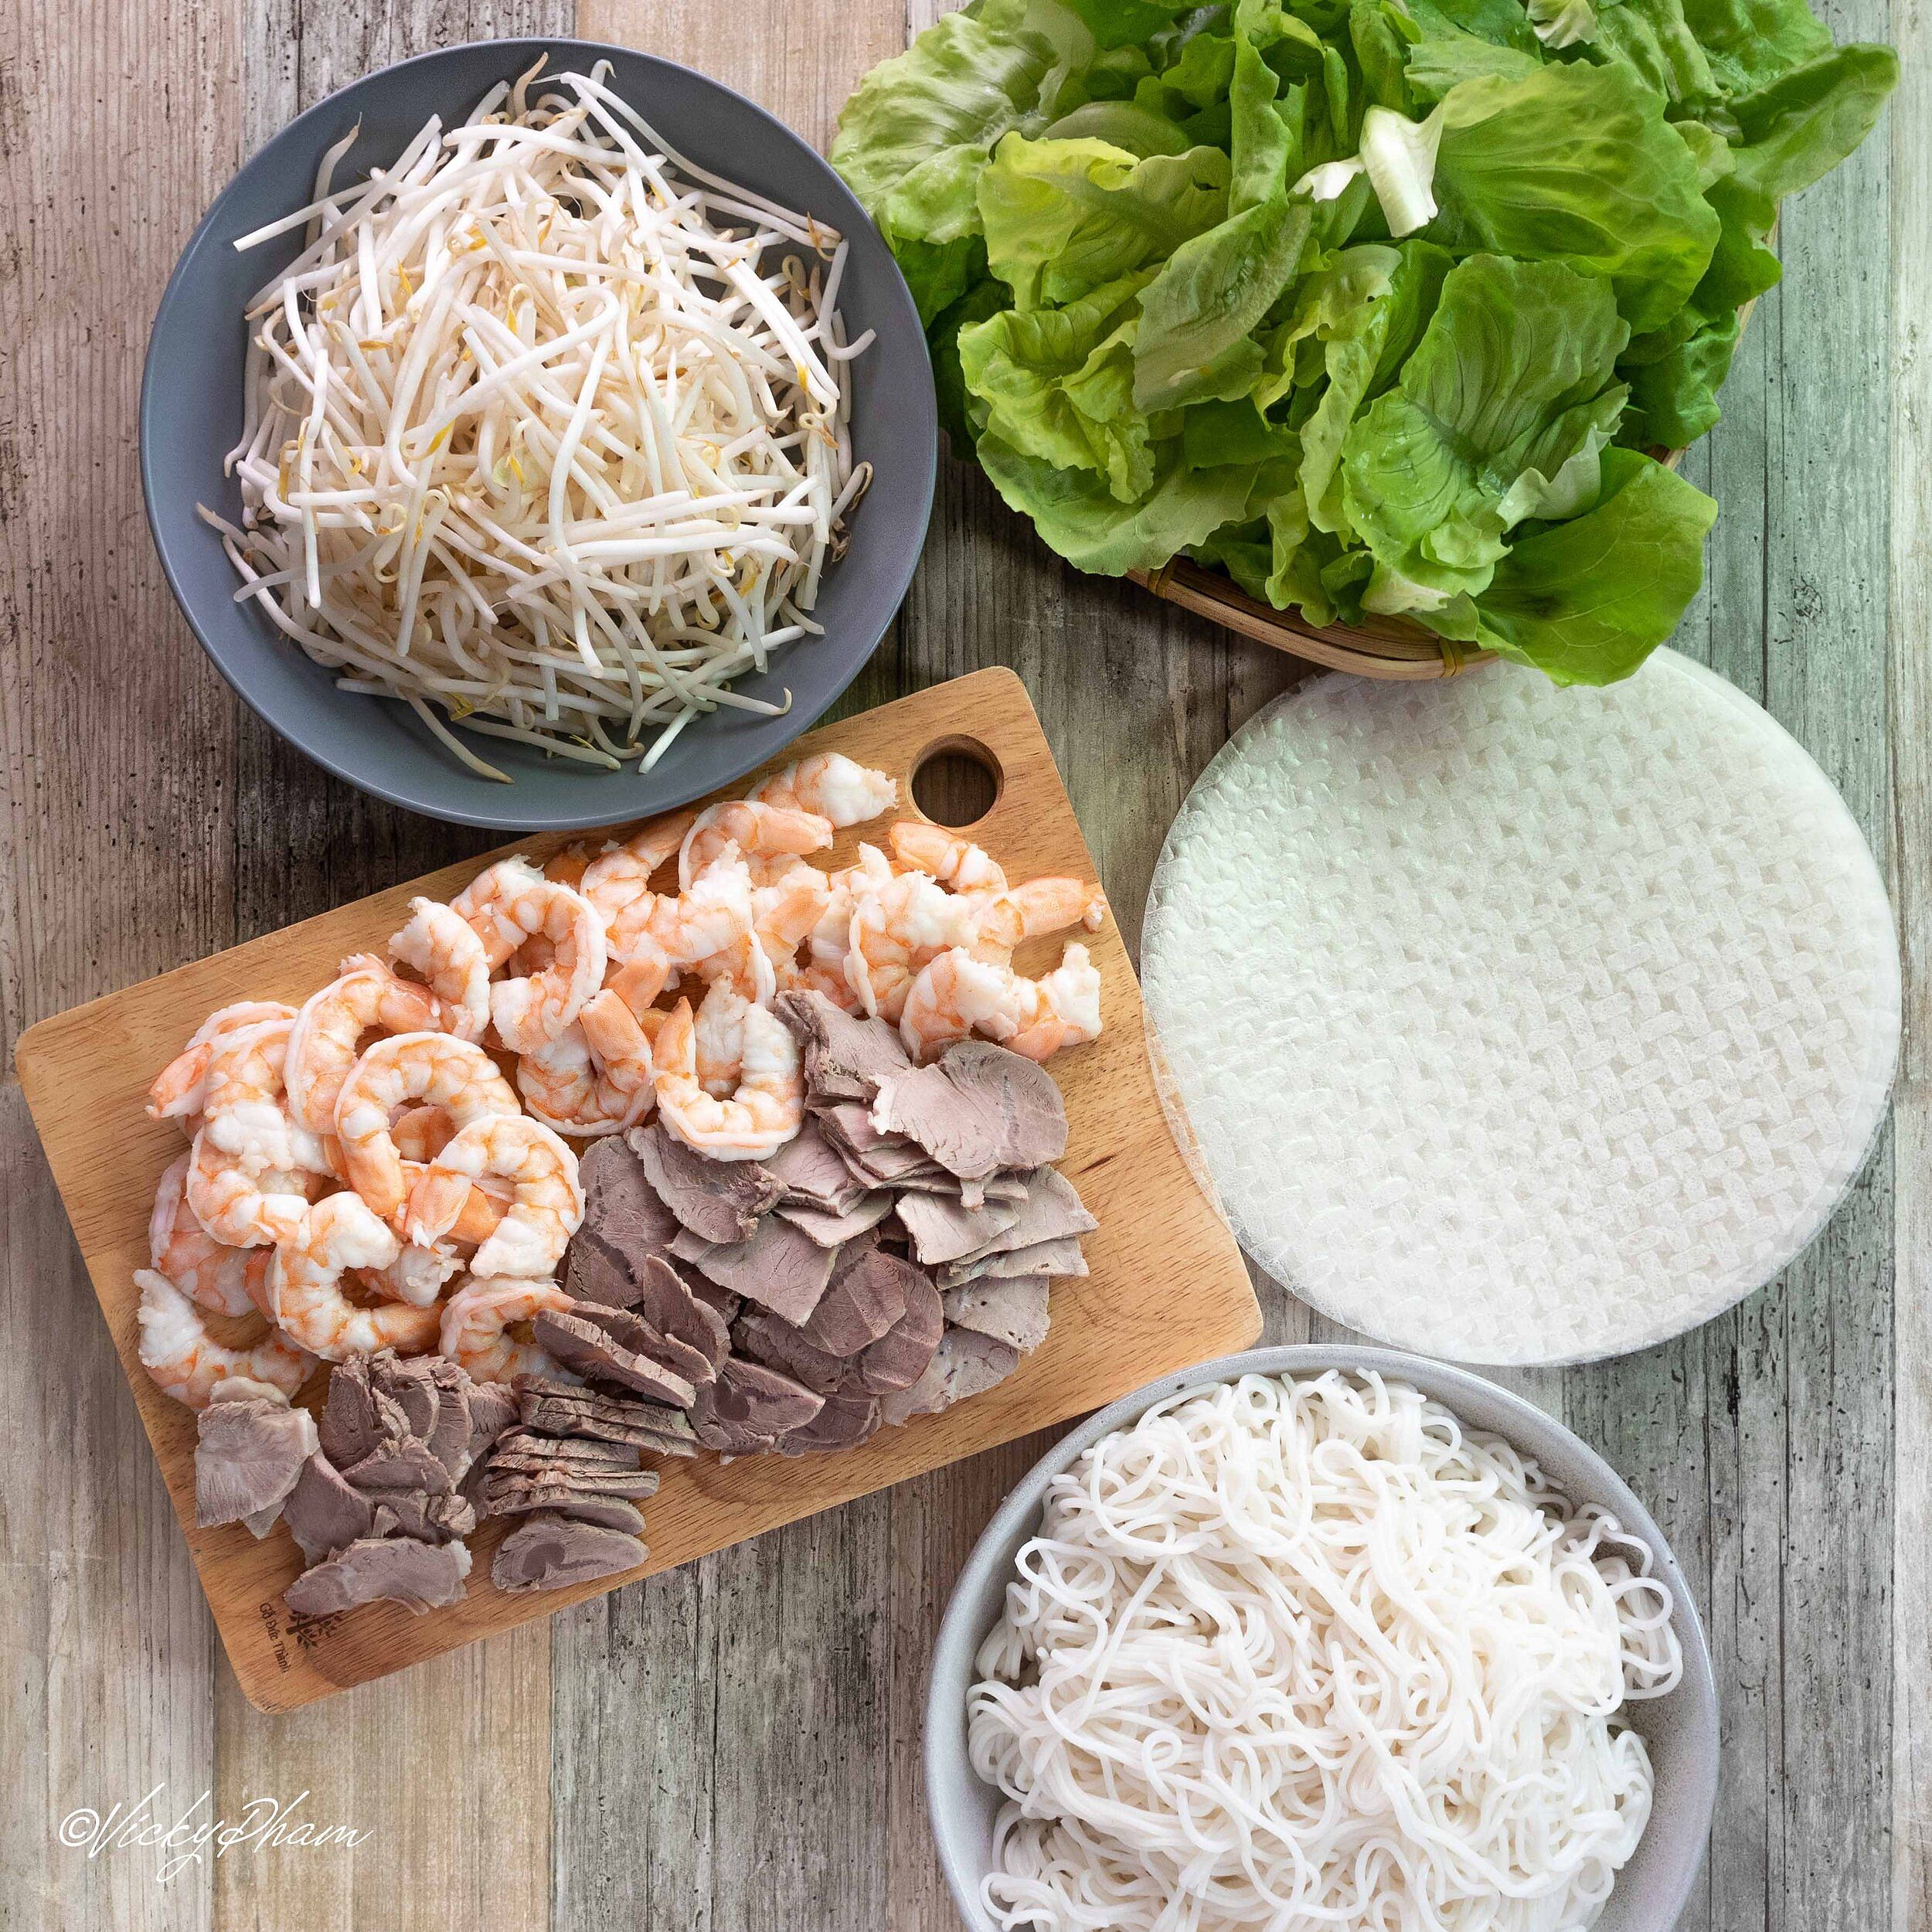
{"type": "Point", "coordinates": [1303, 1654]}
{"type": "Point", "coordinates": [546, 429]}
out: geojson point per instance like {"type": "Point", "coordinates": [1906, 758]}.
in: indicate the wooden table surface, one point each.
{"type": "Point", "coordinates": [735, 1746]}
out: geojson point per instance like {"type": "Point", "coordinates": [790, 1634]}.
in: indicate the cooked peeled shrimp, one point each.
{"type": "Point", "coordinates": [509, 906]}
{"type": "Point", "coordinates": [567, 867]}
{"type": "Point", "coordinates": [954, 861]}
{"type": "Point", "coordinates": [186, 1362]}
{"type": "Point", "coordinates": [322, 1043]}
{"type": "Point", "coordinates": [563, 1085]}
{"type": "Point", "coordinates": [762, 1114]}
{"type": "Point", "coordinates": [223, 1280]}
{"type": "Point", "coordinates": [1051, 905]}
{"type": "Point", "coordinates": [896, 930]}
{"type": "Point", "coordinates": [761, 833]}
{"type": "Point", "coordinates": [955, 995]}
{"type": "Point", "coordinates": [720, 1025]}
{"type": "Point", "coordinates": [744, 966]}
{"type": "Point", "coordinates": [621, 872]}
{"type": "Point", "coordinates": [305, 1298]}
{"type": "Point", "coordinates": [252, 1170]}
{"type": "Point", "coordinates": [442, 946]}
{"type": "Point", "coordinates": [787, 912]}
{"type": "Point", "coordinates": [432, 1068]}
{"type": "Point", "coordinates": [834, 786]}
{"type": "Point", "coordinates": [709, 917]}
{"type": "Point", "coordinates": [474, 1319]}
{"type": "Point", "coordinates": [547, 1199]}
{"type": "Point", "coordinates": [180, 1086]}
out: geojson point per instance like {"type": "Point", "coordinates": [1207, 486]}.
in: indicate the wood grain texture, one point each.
{"type": "Point", "coordinates": [85, 1073]}
{"type": "Point", "coordinates": [111, 758]}
{"type": "Point", "coordinates": [1910, 743]}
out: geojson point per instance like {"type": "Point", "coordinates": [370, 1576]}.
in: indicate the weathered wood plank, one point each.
{"type": "Point", "coordinates": [467, 1841]}
{"type": "Point", "coordinates": [1911, 753]}
{"type": "Point", "coordinates": [113, 132]}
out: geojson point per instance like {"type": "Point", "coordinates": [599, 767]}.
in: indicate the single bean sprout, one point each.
{"type": "Point", "coordinates": [547, 430]}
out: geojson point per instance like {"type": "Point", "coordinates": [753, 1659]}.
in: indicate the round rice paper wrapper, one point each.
{"type": "Point", "coordinates": [1518, 1025]}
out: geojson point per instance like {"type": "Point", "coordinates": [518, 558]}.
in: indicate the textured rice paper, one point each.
{"type": "Point", "coordinates": [1521, 1025]}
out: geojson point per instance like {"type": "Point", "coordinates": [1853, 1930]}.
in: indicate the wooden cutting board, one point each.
{"type": "Point", "coordinates": [1167, 1289]}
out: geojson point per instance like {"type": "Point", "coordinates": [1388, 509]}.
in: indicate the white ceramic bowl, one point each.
{"type": "Point", "coordinates": [1681, 1729]}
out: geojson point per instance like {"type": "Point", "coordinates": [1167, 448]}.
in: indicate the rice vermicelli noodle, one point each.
{"type": "Point", "coordinates": [1302, 1654]}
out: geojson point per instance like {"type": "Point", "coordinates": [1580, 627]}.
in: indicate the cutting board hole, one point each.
{"type": "Point", "coordinates": [957, 781]}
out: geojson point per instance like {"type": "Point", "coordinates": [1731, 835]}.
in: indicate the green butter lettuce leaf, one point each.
{"type": "Point", "coordinates": [961, 414]}
{"type": "Point", "coordinates": [1653, 38]}
{"type": "Point", "coordinates": [1123, 23]}
{"type": "Point", "coordinates": [1586, 601]}
{"type": "Point", "coordinates": [963, 83]}
{"type": "Point", "coordinates": [1799, 127]}
{"type": "Point", "coordinates": [1750, 41]}
{"type": "Point", "coordinates": [1447, 56]}
{"type": "Point", "coordinates": [1121, 123]}
{"type": "Point", "coordinates": [1362, 349]}
{"type": "Point", "coordinates": [1078, 516]}
{"type": "Point", "coordinates": [1215, 434]}
{"type": "Point", "coordinates": [1197, 315]}
{"type": "Point", "coordinates": [1576, 164]}
{"type": "Point", "coordinates": [1062, 217]}
{"type": "Point", "coordinates": [1491, 394]}
{"type": "Point", "coordinates": [1058, 384]}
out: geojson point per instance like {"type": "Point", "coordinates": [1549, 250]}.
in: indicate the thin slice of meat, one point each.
{"type": "Point", "coordinates": [621, 1208]}
{"type": "Point", "coordinates": [831, 1230]}
{"type": "Point", "coordinates": [942, 1229]}
{"type": "Point", "coordinates": [779, 1345]}
{"type": "Point", "coordinates": [964, 1364]}
{"type": "Point", "coordinates": [406, 1463]}
{"type": "Point", "coordinates": [664, 1299]}
{"type": "Point", "coordinates": [348, 1428]}
{"type": "Point", "coordinates": [870, 1291]}
{"type": "Point", "coordinates": [559, 1409]}
{"type": "Point", "coordinates": [411, 1512]}
{"type": "Point", "coordinates": [978, 1108]}
{"type": "Point", "coordinates": [844, 1056]}
{"type": "Point", "coordinates": [607, 1513]}
{"type": "Point", "coordinates": [550, 1551]}
{"type": "Point", "coordinates": [750, 1407]}
{"type": "Point", "coordinates": [531, 1449]}
{"type": "Point", "coordinates": [434, 1393]}
{"type": "Point", "coordinates": [900, 1356]}
{"type": "Point", "coordinates": [809, 1170]}
{"type": "Point", "coordinates": [593, 1272]}
{"type": "Point", "coordinates": [323, 1513]}
{"type": "Point", "coordinates": [248, 1456]}
{"type": "Point", "coordinates": [1013, 1311]}
{"type": "Point", "coordinates": [580, 1345]}
{"type": "Point", "coordinates": [1048, 1210]}
{"type": "Point", "coordinates": [628, 1328]}
{"type": "Point", "coordinates": [374, 1569]}
{"type": "Point", "coordinates": [719, 1201]}
{"type": "Point", "coordinates": [848, 1418]}
{"type": "Point", "coordinates": [1061, 1257]}
{"type": "Point", "coordinates": [780, 1267]}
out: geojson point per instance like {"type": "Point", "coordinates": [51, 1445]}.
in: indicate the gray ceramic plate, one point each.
{"type": "Point", "coordinates": [191, 413]}
{"type": "Point", "coordinates": [1681, 1729]}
